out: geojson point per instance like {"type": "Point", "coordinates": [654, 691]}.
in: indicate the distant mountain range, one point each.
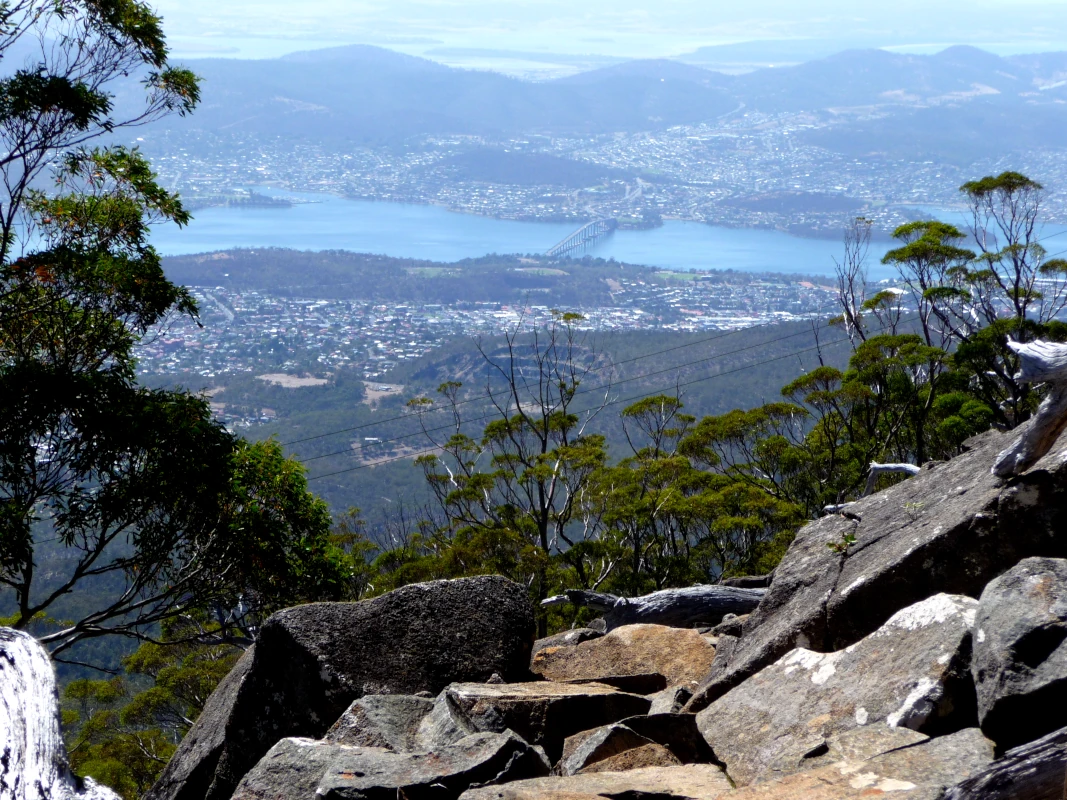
{"type": "Point", "coordinates": [962, 102]}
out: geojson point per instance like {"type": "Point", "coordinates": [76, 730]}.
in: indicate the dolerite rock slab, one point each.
{"type": "Point", "coordinates": [312, 661]}
{"type": "Point", "coordinates": [1033, 771]}
{"type": "Point", "coordinates": [676, 733]}
{"type": "Point", "coordinates": [303, 769]}
{"type": "Point", "coordinates": [542, 713]}
{"type": "Point", "coordinates": [689, 782]}
{"type": "Point", "coordinates": [670, 701]}
{"type": "Point", "coordinates": [584, 749]}
{"type": "Point", "coordinates": [33, 758]}
{"type": "Point", "coordinates": [642, 757]}
{"type": "Point", "coordinates": [913, 672]}
{"type": "Point", "coordinates": [381, 720]}
{"type": "Point", "coordinates": [681, 655]}
{"type": "Point", "coordinates": [919, 772]}
{"type": "Point", "coordinates": [952, 528]}
{"type": "Point", "coordinates": [679, 733]}
{"type": "Point", "coordinates": [1020, 652]}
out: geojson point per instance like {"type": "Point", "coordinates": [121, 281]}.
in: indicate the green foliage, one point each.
{"type": "Point", "coordinates": [158, 511]}
{"type": "Point", "coordinates": [121, 732]}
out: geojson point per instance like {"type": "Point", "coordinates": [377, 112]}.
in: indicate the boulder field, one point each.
{"type": "Point", "coordinates": [915, 648]}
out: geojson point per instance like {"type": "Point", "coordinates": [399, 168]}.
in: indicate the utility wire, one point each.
{"type": "Point", "coordinates": [590, 390]}
{"type": "Point", "coordinates": [610, 403]}
{"type": "Point", "coordinates": [693, 343]}
{"type": "Point", "coordinates": [375, 423]}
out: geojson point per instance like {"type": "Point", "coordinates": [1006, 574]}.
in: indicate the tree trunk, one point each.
{"type": "Point", "coordinates": [1039, 362]}
{"type": "Point", "coordinates": [680, 608]}
{"type": "Point", "coordinates": [35, 759]}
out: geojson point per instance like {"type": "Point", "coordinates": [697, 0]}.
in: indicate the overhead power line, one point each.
{"type": "Point", "coordinates": [631, 399]}
{"type": "Point", "coordinates": [590, 390]}
{"type": "Point", "coordinates": [613, 364]}
{"type": "Point", "coordinates": [722, 335]}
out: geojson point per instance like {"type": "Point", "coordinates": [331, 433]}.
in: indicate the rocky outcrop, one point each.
{"type": "Point", "coordinates": [302, 769]}
{"type": "Point", "coordinates": [913, 672]}
{"type": "Point", "coordinates": [1033, 771]}
{"type": "Point", "coordinates": [919, 772]}
{"type": "Point", "coordinates": [855, 677]}
{"type": "Point", "coordinates": [33, 758]}
{"type": "Point", "coordinates": [311, 662]}
{"type": "Point", "coordinates": [1020, 652]}
{"type": "Point", "coordinates": [690, 782]}
{"type": "Point", "coordinates": [952, 529]}
{"type": "Point", "coordinates": [542, 713]}
{"type": "Point", "coordinates": [682, 656]}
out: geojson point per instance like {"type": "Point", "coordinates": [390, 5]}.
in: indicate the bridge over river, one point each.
{"type": "Point", "coordinates": [583, 237]}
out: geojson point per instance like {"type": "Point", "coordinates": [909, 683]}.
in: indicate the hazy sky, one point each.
{"type": "Point", "coordinates": [612, 27]}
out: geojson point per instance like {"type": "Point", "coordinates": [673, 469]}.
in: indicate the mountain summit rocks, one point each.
{"type": "Point", "coordinates": [901, 660]}
{"type": "Point", "coordinates": [913, 672]}
{"type": "Point", "coordinates": [310, 662]}
{"type": "Point", "coordinates": [953, 528]}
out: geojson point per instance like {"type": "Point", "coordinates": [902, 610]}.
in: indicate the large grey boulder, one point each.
{"type": "Point", "coordinates": [952, 529]}
{"type": "Point", "coordinates": [543, 713]}
{"type": "Point", "coordinates": [302, 769]}
{"type": "Point", "coordinates": [310, 662]}
{"type": "Point", "coordinates": [1020, 652]}
{"type": "Point", "coordinates": [913, 672]}
{"type": "Point", "coordinates": [33, 758]}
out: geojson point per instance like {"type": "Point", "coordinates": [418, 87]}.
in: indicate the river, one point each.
{"type": "Point", "coordinates": [326, 222]}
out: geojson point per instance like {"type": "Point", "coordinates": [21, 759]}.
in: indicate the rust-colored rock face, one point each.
{"type": "Point", "coordinates": [682, 656]}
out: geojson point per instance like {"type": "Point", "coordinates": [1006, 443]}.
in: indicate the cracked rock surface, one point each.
{"type": "Point", "coordinates": [913, 672]}
{"type": "Point", "coordinates": [1020, 652]}
{"type": "Point", "coordinates": [311, 661]}
{"type": "Point", "coordinates": [952, 528]}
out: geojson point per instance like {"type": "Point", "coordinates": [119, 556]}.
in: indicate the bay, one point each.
{"type": "Point", "coordinates": [326, 222]}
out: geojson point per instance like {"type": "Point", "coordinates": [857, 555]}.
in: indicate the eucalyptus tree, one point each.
{"type": "Point", "coordinates": [517, 487]}
{"type": "Point", "coordinates": [146, 506]}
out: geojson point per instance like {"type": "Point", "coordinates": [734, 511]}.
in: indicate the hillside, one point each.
{"type": "Point", "coordinates": [370, 95]}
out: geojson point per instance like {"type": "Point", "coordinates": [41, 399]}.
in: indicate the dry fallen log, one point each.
{"type": "Point", "coordinates": [877, 469]}
{"type": "Point", "coordinates": [1039, 362]}
{"type": "Point", "coordinates": [678, 608]}
{"type": "Point", "coordinates": [1034, 771]}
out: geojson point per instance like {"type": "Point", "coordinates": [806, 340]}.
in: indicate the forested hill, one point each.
{"type": "Point", "coordinates": [344, 275]}
{"type": "Point", "coordinates": [713, 373]}
{"type": "Point", "coordinates": [962, 103]}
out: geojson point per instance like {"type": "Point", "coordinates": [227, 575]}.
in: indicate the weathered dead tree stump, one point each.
{"type": "Point", "coordinates": [874, 470]}
{"type": "Point", "coordinates": [677, 608]}
{"type": "Point", "coordinates": [1039, 362]}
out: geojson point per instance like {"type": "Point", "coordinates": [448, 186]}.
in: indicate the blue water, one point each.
{"type": "Point", "coordinates": [433, 233]}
